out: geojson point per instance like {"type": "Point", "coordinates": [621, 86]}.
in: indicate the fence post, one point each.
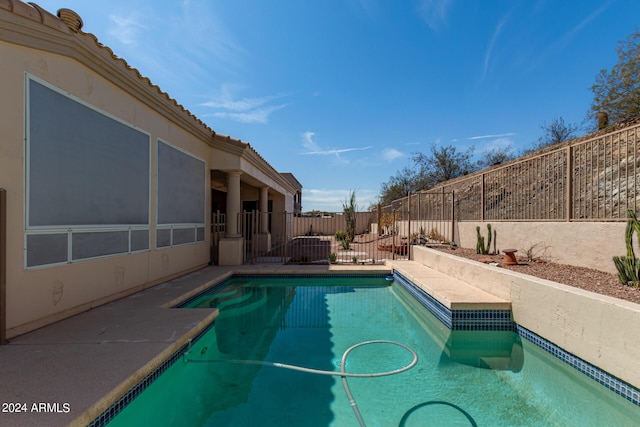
{"type": "Point", "coordinates": [393, 234]}
{"type": "Point", "coordinates": [256, 221]}
{"type": "Point", "coordinates": [569, 181]}
{"type": "Point", "coordinates": [3, 265]}
{"type": "Point", "coordinates": [286, 236]}
{"type": "Point", "coordinates": [482, 207]}
{"type": "Point", "coordinates": [453, 220]}
{"type": "Point", "coordinates": [409, 225]}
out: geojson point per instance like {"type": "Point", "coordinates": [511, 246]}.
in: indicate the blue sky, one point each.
{"type": "Point", "coordinates": [341, 92]}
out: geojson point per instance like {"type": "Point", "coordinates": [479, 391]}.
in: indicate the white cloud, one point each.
{"type": "Point", "coordinates": [202, 32]}
{"type": "Point", "coordinates": [314, 149]}
{"type": "Point", "coordinates": [308, 142]}
{"type": "Point", "coordinates": [497, 143]}
{"type": "Point", "coordinates": [126, 29]}
{"type": "Point", "coordinates": [226, 99]}
{"type": "Point", "coordinates": [492, 136]}
{"type": "Point", "coordinates": [567, 38]}
{"type": "Point", "coordinates": [258, 115]}
{"type": "Point", "coordinates": [390, 154]}
{"type": "Point", "coordinates": [244, 110]}
{"type": "Point", "coordinates": [492, 42]}
{"type": "Point", "coordinates": [191, 47]}
{"type": "Point", "coordinates": [434, 12]}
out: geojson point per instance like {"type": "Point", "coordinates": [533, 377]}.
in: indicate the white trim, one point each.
{"type": "Point", "coordinates": [70, 232]}
{"type": "Point", "coordinates": [189, 226]}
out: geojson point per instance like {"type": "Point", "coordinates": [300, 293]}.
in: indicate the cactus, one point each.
{"type": "Point", "coordinates": [480, 246]}
{"type": "Point", "coordinates": [629, 266]}
{"type": "Point", "coordinates": [495, 251]}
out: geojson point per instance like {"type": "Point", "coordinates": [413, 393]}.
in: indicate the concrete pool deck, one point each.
{"type": "Point", "coordinates": [69, 372]}
{"type": "Point", "coordinates": [79, 366]}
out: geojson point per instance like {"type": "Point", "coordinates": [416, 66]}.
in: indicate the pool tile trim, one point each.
{"type": "Point", "coordinates": [224, 282]}
{"type": "Point", "coordinates": [499, 321]}
{"type": "Point", "coordinates": [111, 412]}
{"type": "Point", "coordinates": [310, 275]}
{"type": "Point", "coordinates": [458, 320]}
{"type": "Point", "coordinates": [614, 384]}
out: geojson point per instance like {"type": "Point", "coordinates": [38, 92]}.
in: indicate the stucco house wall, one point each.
{"type": "Point", "coordinates": [37, 46]}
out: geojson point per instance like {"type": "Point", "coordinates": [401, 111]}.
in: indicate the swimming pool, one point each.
{"type": "Point", "coordinates": [461, 377]}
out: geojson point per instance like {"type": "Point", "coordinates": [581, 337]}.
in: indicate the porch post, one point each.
{"type": "Point", "coordinates": [264, 209]}
{"type": "Point", "coordinates": [263, 239]}
{"type": "Point", "coordinates": [233, 203]}
{"type": "Point", "coordinates": [231, 247]}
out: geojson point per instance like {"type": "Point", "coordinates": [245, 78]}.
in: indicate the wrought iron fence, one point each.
{"type": "Point", "coordinates": [422, 217]}
{"type": "Point", "coordinates": [594, 178]}
{"type": "Point", "coordinates": [297, 239]}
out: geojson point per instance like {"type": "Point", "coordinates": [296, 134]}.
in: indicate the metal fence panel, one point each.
{"type": "Point", "coordinates": [593, 178]}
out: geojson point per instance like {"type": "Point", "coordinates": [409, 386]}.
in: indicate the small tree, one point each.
{"type": "Point", "coordinates": [398, 186]}
{"type": "Point", "coordinates": [618, 91]}
{"type": "Point", "coordinates": [349, 210]}
{"type": "Point", "coordinates": [443, 164]}
{"type": "Point", "coordinates": [438, 165]}
{"type": "Point", "coordinates": [495, 156]}
{"type": "Point", "coordinates": [556, 132]}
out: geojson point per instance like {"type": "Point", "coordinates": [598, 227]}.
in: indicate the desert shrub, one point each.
{"type": "Point", "coordinates": [341, 235]}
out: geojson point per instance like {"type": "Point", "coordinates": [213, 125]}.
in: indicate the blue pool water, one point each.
{"type": "Point", "coordinates": [462, 378]}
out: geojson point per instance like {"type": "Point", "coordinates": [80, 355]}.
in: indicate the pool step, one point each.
{"type": "Point", "coordinates": [457, 304]}
{"type": "Point", "coordinates": [217, 299]}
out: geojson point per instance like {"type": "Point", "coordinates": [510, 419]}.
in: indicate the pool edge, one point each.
{"type": "Point", "coordinates": [446, 317]}
{"type": "Point", "coordinates": [104, 410]}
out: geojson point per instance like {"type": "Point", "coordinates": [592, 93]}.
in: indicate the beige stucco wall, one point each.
{"type": "Point", "coordinates": [329, 225]}
{"type": "Point", "coordinates": [41, 295]}
{"type": "Point", "coordinates": [602, 330]}
{"type": "Point", "coordinates": [584, 244]}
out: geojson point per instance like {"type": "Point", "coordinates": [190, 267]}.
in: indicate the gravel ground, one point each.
{"type": "Point", "coordinates": [579, 277]}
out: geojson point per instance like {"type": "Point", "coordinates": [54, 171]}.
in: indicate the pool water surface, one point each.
{"type": "Point", "coordinates": [462, 378]}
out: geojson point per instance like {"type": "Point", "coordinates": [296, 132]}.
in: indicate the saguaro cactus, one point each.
{"type": "Point", "coordinates": [629, 266]}
{"type": "Point", "coordinates": [480, 246]}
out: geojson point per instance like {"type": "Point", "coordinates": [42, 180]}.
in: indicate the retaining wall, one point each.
{"type": "Point", "coordinates": [602, 330]}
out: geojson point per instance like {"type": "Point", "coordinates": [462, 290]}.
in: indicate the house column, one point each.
{"type": "Point", "coordinates": [233, 203]}
{"type": "Point", "coordinates": [264, 209]}
{"type": "Point", "coordinates": [263, 239]}
{"type": "Point", "coordinates": [231, 247]}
